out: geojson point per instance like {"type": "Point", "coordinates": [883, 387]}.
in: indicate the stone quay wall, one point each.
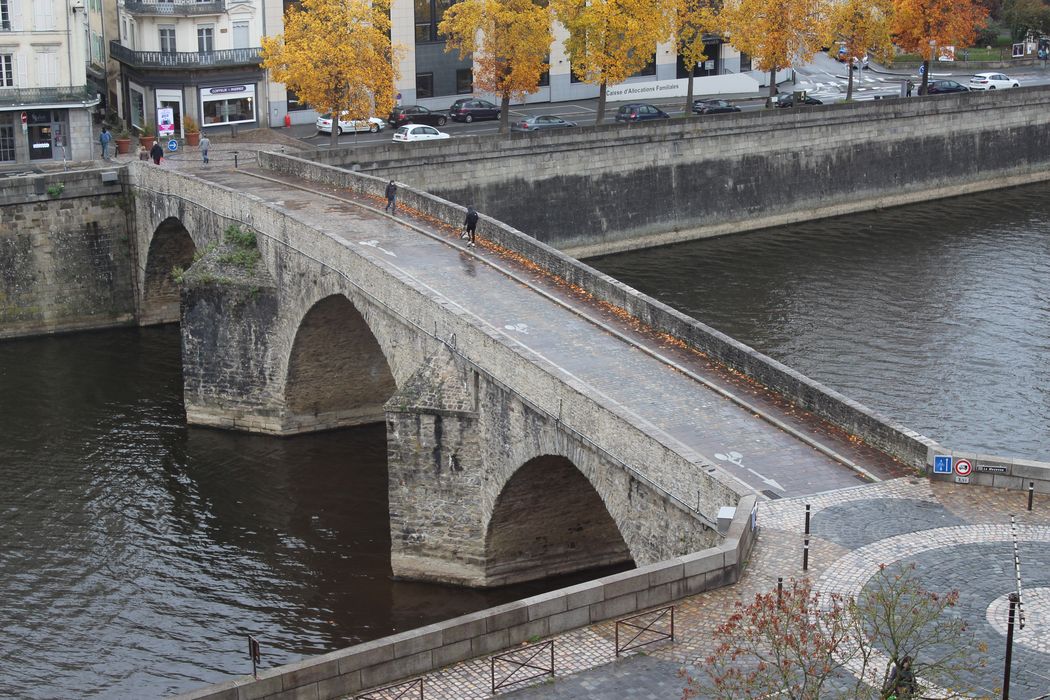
{"type": "Point", "coordinates": [402, 656]}
{"type": "Point", "coordinates": [616, 187]}
{"type": "Point", "coordinates": [65, 256]}
{"type": "Point", "coordinates": [875, 429]}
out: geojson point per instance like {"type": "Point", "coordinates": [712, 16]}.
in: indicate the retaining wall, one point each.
{"type": "Point", "coordinates": [402, 656]}
{"type": "Point", "coordinates": [616, 187]}
{"type": "Point", "coordinates": [873, 428]}
{"type": "Point", "coordinates": [65, 258]}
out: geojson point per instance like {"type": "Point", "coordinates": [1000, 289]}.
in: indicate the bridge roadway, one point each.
{"type": "Point", "coordinates": [685, 400]}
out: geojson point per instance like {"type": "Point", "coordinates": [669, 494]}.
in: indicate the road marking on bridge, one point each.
{"type": "Point", "coordinates": [519, 327]}
{"type": "Point", "coordinates": [738, 459]}
{"type": "Point", "coordinates": [375, 244]}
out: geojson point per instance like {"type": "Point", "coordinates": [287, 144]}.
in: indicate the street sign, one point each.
{"type": "Point", "coordinates": [173, 145]}
{"type": "Point", "coordinates": [942, 464]}
{"type": "Point", "coordinates": [963, 467]}
{"type": "Point", "coordinates": [922, 69]}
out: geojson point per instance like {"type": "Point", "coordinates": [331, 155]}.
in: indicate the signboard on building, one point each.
{"type": "Point", "coordinates": [165, 122]}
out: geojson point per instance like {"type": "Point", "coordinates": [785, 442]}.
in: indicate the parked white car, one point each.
{"type": "Point", "coordinates": [324, 124]}
{"type": "Point", "coordinates": [418, 132]}
{"type": "Point", "coordinates": [991, 81]}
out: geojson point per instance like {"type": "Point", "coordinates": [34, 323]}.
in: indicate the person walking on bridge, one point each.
{"type": "Point", "coordinates": [104, 138]}
{"type": "Point", "coordinates": [156, 153]}
{"type": "Point", "coordinates": [391, 197]}
{"type": "Point", "coordinates": [470, 225]}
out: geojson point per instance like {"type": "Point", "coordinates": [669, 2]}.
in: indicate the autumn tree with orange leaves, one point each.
{"type": "Point", "coordinates": [919, 26]}
{"type": "Point", "coordinates": [864, 27]}
{"type": "Point", "coordinates": [693, 19]}
{"type": "Point", "coordinates": [509, 41]}
{"type": "Point", "coordinates": [611, 40]}
{"type": "Point", "coordinates": [776, 33]}
{"type": "Point", "coordinates": [337, 56]}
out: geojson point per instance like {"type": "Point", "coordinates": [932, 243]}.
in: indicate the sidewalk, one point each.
{"type": "Point", "coordinates": [224, 149]}
{"type": "Point", "coordinates": [958, 537]}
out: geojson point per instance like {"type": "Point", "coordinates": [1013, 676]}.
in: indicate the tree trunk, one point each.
{"type": "Point", "coordinates": [504, 114]}
{"type": "Point", "coordinates": [849, 84]}
{"type": "Point", "coordinates": [772, 86]}
{"type": "Point", "coordinates": [925, 77]}
{"type": "Point", "coordinates": [333, 138]}
{"type": "Point", "coordinates": [689, 95]}
{"type": "Point", "coordinates": [601, 104]}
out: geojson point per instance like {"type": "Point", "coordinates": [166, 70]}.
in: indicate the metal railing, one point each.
{"type": "Point", "coordinates": [395, 692]}
{"type": "Point", "coordinates": [645, 624]}
{"type": "Point", "coordinates": [184, 8]}
{"type": "Point", "coordinates": [32, 96]}
{"type": "Point", "coordinates": [521, 659]}
{"type": "Point", "coordinates": [185, 59]}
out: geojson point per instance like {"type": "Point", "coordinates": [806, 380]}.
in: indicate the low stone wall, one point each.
{"type": "Point", "coordinates": [408, 654]}
{"type": "Point", "coordinates": [65, 254]}
{"type": "Point", "coordinates": [873, 428]}
{"type": "Point", "coordinates": [998, 472]}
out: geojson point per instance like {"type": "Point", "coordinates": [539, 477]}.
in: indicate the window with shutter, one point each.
{"type": "Point", "coordinates": [43, 15]}
{"type": "Point", "coordinates": [7, 70]}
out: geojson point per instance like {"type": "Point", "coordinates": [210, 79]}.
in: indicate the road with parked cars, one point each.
{"type": "Point", "coordinates": [823, 81]}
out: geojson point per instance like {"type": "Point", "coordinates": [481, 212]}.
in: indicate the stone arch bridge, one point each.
{"type": "Point", "coordinates": [532, 429]}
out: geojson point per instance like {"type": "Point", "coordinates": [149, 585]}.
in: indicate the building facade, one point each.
{"type": "Point", "coordinates": [46, 97]}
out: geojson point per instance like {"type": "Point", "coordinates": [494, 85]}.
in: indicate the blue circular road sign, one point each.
{"type": "Point", "coordinates": [173, 145]}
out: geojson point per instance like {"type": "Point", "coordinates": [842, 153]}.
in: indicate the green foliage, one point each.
{"type": "Point", "coordinates": [178, 274]}
{"type": "Point", "coordinates": [241, 238]}
{"type": "Point", "coordinates": [55, 189]}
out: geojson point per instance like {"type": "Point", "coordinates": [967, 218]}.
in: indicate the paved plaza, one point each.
{"type": "Point", "coordinates": [958, 536]}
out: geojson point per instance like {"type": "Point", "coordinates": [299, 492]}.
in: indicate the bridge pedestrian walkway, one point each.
{"type": "Point", "coordinates": [657, 383]}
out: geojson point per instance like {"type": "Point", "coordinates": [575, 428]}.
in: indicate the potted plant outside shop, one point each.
{"type": "Point", "coordinates": [147, 136]}
{"type": "Point", "coordinates": [193, 132]}
{"type": "Point", "coordinates": [123, 140]}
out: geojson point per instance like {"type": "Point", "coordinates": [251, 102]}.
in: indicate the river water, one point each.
{"type": "Point", "coordinates": [936, 315]}
{"type": "Point", "coordinates": [136, 554]}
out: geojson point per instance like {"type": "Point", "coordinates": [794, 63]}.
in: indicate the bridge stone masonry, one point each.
{"type": "Point", "coordinates": [501, 469]}
{"type": "Point", "coordinates": [612, 188]}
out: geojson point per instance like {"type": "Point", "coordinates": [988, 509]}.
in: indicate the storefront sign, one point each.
{"type": "Point", "coordinates": [165, 122]}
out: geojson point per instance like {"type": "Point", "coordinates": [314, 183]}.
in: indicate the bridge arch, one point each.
{"type": "Point", "coordinates": [338, 374]}
{"type": "Point", "coordinates": [549, 519]}
{"type": "Point", "coordinates": [170, 246]}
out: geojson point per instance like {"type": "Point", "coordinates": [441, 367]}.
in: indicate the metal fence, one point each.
{"type": "Point", "coordinates": [39, 96]}
{"type": "Point", "coordinates": [645, 628]}
{"type": "Point", "coordinates": [408, 689]}
{"type": "Point", "coordinates": [185, 59]}
{"type": "Point", "coordinates": [174, 7]}
{"type": "Point", "coordinates": [515, 666]}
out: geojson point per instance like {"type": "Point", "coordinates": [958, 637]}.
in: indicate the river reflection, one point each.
{"type": "Point", "coordinates": [937, 315]}
{"type": "Point", "coordinates": [136, 554]}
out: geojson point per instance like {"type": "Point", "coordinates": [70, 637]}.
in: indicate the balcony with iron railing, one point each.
{"type": "Point", "coordinates": [80, 94]}
{"type": "Point", "coordinates": [185, 59]}
{"type": "Point", "coordinates": [179, 8]}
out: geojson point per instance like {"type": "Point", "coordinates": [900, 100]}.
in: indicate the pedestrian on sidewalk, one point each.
{"type": "Point", "coordinates": [205, 145]}
{"type": "Point", "coordinates": [104, 138]}
{"type": "Point", "coordinates": [902, 684]}
{"type": "Point", "coordinates": [391, 197]}
{"type": "Point", "coordinates": [470, 225]}
{"type": "Point", "coordinates": [156, 153]}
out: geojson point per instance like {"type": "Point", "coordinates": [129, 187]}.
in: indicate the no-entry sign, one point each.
{"type": "Point", "coordinates": [963, 467]}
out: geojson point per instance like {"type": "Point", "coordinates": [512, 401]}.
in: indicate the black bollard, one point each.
{"type": "Point", "coordinates": [780, 591]}
{"type": "Point", "coordinates": [805, 556]}
{"type": "Point", "coordinates": [1009, 646]}
{"type": "Point", "coordinates": [1031, 493]}
{"type": "Point", "coordinates": [807, 518]}
{"type": "Point", "coordinates": [235, 159]}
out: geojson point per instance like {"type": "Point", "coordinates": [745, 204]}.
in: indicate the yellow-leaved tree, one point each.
{"type": "Point", "coordinates": [920, 26]}
{"type": "Point", "coordinates": [509, 41]}
{"type": "Point", "coordinates": [693, 19]}
{"type": "Point", "coordinates": [610, 40]}
{"type": "Point", "coordinates": [864, 27]}
{"type": "Point", "coordinates": [775, 33]}
{"type": "Point", "coordinates": [337, 56]}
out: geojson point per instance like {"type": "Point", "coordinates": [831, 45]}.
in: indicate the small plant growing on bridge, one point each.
{"type": "Point", "coordinates": [240, 248]}
{"type": "Point", "coordinates": [56, 189]}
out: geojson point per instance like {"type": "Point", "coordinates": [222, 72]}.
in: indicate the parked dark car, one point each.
{"type": "Point", "coordinates": [943, 87]}
{"type": "Point", "coordinates": [541, 123]}
{"type": "Point", "coordinates": [468, 109]}
{"type": "Point", "coordinates": [713, 107]}
{"type": "Point", "coordinates": [640, 112]}
{"type": "Point", "coordinates": [414, 114]}
{"type": "Point", "coordinates": [788, 100]}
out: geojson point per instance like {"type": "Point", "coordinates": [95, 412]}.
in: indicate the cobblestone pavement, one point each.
{"type": "Point", "coordinates": [958, 536]}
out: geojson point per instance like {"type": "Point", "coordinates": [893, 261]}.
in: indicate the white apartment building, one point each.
{"type": "Point", "coordinates": [46, 97]}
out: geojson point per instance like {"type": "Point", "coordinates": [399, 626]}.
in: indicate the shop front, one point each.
{"type": "Point", "coordinates": [227, 104]}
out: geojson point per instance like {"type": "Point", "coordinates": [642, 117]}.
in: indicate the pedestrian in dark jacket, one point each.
{"type": "Point", "coordinates": [901, 684]}
{"type": "Point", "coordinates": [391, 197]}
{"type": "Point", "coordinates": [156, 153]}
{"type": "Point", "coordinates": [470, 224]}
